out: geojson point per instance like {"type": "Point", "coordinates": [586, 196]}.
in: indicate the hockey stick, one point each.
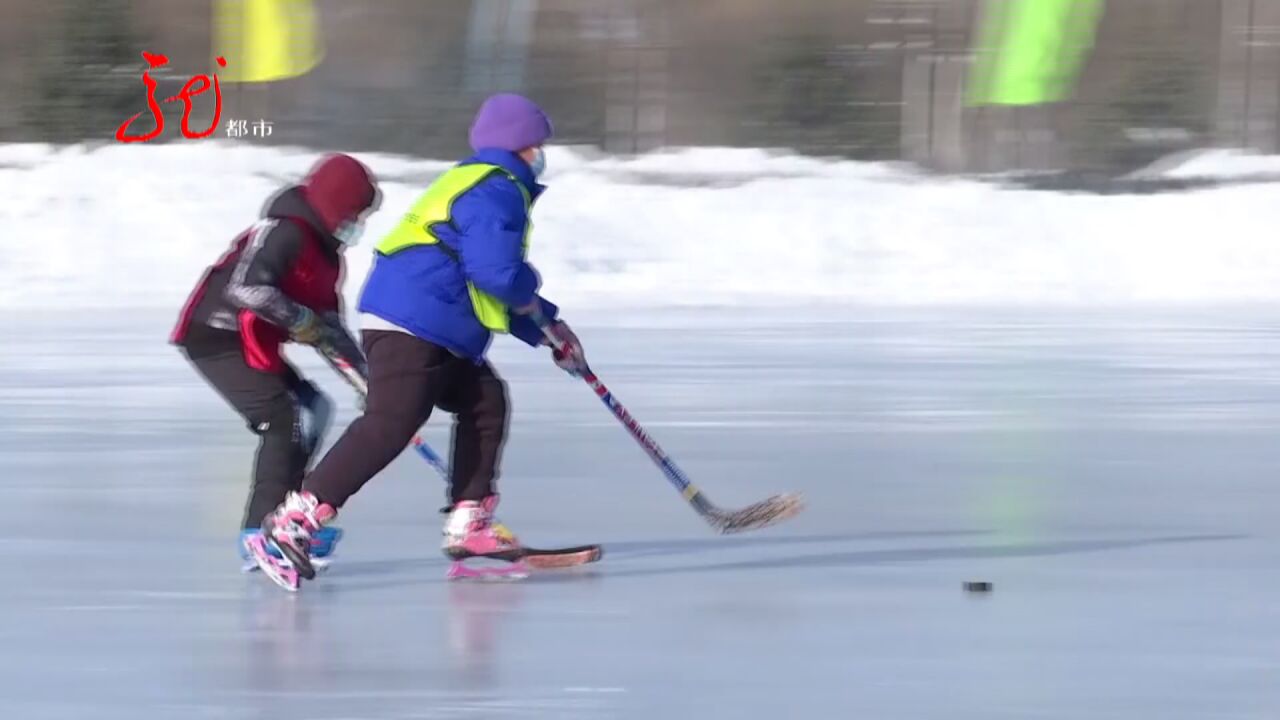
{"type": "Point", "coordinates": [544, 558]}
{"type": "Point", "coordinates": [762, 514]}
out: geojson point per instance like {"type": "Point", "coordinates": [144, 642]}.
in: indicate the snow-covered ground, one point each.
{"type": "Point", "coordinates": [134, 226]}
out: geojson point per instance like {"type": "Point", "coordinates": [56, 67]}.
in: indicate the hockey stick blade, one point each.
{"type": "Point", "coordinates": [753, 517]}
{"type": "Point", "coordinates": [562, 557]}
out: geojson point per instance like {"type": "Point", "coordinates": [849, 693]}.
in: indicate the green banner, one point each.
{"type": "Point", "coordinates": [1031, 51]}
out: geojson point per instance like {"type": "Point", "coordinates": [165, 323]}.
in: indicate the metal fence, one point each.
{"type": "Point", "coordinates": [871, 79]}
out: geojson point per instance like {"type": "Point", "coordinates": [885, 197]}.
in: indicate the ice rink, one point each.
{"type": "Point", "coordinates": [1113, 474]}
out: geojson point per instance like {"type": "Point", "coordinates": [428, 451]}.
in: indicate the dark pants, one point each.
{"type": "Point", "coordinates": [408, 378]}
{"type": "Point", "coordinates": [271, 405]}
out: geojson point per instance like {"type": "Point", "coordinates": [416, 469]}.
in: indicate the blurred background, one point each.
{"type": "Point", "coordinates": [1082, 86]}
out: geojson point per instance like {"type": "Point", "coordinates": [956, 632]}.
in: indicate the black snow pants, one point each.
{"type": "Point", "coordinates": [408, 378]}
{"type": "Point", "coordinates": [288, 414]}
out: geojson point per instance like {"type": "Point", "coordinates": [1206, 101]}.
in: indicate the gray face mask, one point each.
{"type": "Point", "coordinates": [539, 163]}
{"type": "Point", "coordinates": [349, 232]}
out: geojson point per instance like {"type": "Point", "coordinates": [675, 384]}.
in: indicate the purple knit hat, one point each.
{"type": "Point", "coordinates": [511, 122]}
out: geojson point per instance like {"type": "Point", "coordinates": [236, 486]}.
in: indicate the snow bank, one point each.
{"type": "Point", "coordinates": [1217, 164]}
{"type": "Point", "coordinates": [135, 226]}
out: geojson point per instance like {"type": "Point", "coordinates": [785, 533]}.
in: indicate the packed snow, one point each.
{"type": "Point", "coordinates": [133, 226]}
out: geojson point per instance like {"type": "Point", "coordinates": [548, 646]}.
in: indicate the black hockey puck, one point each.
{"type": "Point", "coordinates": [980, 587]}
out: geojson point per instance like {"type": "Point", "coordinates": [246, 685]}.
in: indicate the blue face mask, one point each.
{"type": "Point", "coordinates": [539, 163]}
{"type": "Point", "coordinates": [349, 232]}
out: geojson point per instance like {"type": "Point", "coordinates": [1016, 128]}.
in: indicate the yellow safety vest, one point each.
{"type": "Point", "coordinates": [436, 206]}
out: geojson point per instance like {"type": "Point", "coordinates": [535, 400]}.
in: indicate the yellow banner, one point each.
{"type": "Point", "coordinates": [266, 40]}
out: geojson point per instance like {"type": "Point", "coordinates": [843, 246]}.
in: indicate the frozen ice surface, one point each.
{"type": "Point", "coordinates": [1112, 474]}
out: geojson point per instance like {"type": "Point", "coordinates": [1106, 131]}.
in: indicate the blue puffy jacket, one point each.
{"type": "Point", "coordinates": [423, 290]}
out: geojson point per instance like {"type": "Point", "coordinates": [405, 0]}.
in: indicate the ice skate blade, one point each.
{"type": "Point", "coordinates": [457, 554]}
{"type": "Point", "coordinates": [280, 574]}
{"type": "Point", "coordinates": [299, 563]}
{"type": "Point", "coordinates": [320, 564]}
{"type": "Point", "coordinates": [460, 571]}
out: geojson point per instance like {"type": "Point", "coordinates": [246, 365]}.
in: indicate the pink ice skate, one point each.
{"type": "Point", "coordinates": [472, 532]}
{"type": "Point", "coordinates": [278, 569]}
{"type": "Point", "coordinates": [289, 529]}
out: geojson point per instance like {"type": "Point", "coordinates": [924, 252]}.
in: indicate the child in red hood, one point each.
{"type": "Point", "coordinates": [280, 282]}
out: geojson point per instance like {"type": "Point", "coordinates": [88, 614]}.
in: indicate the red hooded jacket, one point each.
{"type": "Point", "coordinates": [287, 261]}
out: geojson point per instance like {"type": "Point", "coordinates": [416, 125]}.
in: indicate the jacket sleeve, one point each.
{"type": "Point", "coordinates": [491, 221]}
{"type": "Point", "coordinates": [255, 281]}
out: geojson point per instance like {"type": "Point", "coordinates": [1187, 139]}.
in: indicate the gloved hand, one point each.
{"type": "Point", "coordinates": [309, 329]}
{"type": "Point", "coordinates": [573, 359]}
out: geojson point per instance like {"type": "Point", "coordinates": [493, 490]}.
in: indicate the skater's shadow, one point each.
{"type": "Point", "coordinates": [657, 548]}
{"type": "Point", "coordinates": [422, 572]}
{"type": "Point", "coordinates": [862, 558]}
{"type": "Point", "coordinates": [431, 570]}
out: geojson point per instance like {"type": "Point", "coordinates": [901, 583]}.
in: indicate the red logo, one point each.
{"type": "Point", "coordinates": [188, 92]}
